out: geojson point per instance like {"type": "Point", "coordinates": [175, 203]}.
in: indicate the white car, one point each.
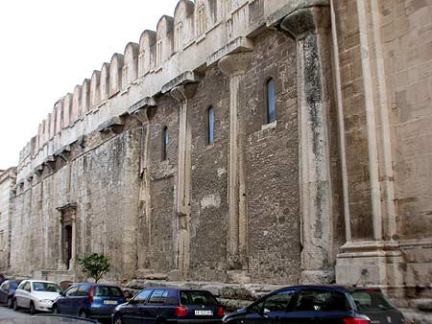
{"type": "Point", "coordinates": [36, 295]}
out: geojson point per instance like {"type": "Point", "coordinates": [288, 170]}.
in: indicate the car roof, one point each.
{"type": "Point", "coordinates": [94, 284]}
{"type": "Point", "coordinates": [342, 288]}
{"type": "Point", "coordinates": [42, 281]}
{"type": "Point", "coordinates": [175, 288]}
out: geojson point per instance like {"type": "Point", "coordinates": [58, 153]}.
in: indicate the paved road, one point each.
{"type": "Point", "coordinates": [7, 313]}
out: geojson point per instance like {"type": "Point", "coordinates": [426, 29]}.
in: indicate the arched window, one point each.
{"type": "Point", "coordinates": [210, 125]}
{"type": "Point", "coordinates": [271, 101]}
{"type": "Point", "coordinates": [165, 142]}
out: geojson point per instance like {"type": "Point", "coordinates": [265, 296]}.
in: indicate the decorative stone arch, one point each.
{"type": "Point", "coordinates": [76, 103]}
{"type": "Point", "coordinates": [47, 127]}
{"type": "Point", "coordinates": [67, 110]}
{"type": "Point", "coordinates": [115, 73]}
{"type": "Point", "coordinates": [94, 89]}
{"type": "Point", "coordinates": [104, 82]}
{"type": "Point", "coordinates": [85, 97]}
{"type": "Point", "coordinates": [58, 107]}
{"type": "Point", "coordinates": [164, 39]}
{"type": "Point", "coordinates": [183, 23]}
{"type": "Point", "coordinates": [130, 66]}
{"type": "Point", "coordinates": [52, 123]}
{"type": "Point", "coordinates": [146, 52]}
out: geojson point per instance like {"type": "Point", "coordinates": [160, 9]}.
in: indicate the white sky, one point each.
{"type": "Point", "coordinates": [49, 46]}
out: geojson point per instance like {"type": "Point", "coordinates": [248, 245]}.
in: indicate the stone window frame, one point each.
{"type": "Point", "coordinates": [164, 143]}
{"type": "Point", "coordinates": [201, 20]}
{"type": "Point", "coordinates": [178, 37]}
{"type": "Point", "coordinates": [266, 119]}
{"type": "Point", "coordinates": [210, 142]}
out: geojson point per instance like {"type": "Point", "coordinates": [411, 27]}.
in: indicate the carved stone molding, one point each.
{"type": "Point", "coordinates": [114, 125]}
{"type": "Point", "coordinates": [185, 78]}
{"type": "Point", "coordinates": [236, 63]}
{"type": "Point", "coordinates": [140, 108]}
{"type": "Point", "coordinates": [184, 92]}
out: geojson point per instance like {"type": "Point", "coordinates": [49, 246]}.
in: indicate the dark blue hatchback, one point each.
{"type": "Point", "coordinates": [89, 300]}
{"type": "Point", "coordinates": [319, 305]}
{"type": "Point", "coordinates": [170, 305]}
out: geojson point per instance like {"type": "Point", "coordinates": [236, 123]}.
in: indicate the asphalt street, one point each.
{"type": "Point", "coordinates": [7, 313]}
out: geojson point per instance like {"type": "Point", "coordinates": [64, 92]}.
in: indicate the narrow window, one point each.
{"type": "Point", "coordinates": [271, 101]}
{"type": "Point", "coordinates": [165, 143]}
{"type": "Point", "coordinates": [210, 125]}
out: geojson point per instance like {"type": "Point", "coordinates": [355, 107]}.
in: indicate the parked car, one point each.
{"type": "Point", "coordinates": [89, 300]}
{"type": "Point", "coordinates": [170, 305]}
{"type": "Point", "coordinates": [36, 295]}
{"type": "Point", "coordinates": [319, 305]}
{"type": "Point", "coordinates": [7, 291]}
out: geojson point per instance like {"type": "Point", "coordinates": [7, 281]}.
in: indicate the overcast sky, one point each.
{"type": "Point", "coordinates": [49, 46]}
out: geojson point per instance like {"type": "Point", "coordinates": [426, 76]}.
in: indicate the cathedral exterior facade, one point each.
{"type": "Point", "coordinates": [243, 141]}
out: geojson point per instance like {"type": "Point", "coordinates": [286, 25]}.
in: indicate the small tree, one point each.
{"type": "Point", "coordinates": [95, 265]}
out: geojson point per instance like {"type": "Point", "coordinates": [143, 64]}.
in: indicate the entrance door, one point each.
{"type": "Point", "coordinates": [68, 245]}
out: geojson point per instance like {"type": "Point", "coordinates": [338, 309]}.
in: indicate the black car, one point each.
{"type": "Point", "coordinates": [170, 305]}
{"type": "Point", "coordinates": [7, 291]}
{"type": "Point", "coordinates": [319, 305]}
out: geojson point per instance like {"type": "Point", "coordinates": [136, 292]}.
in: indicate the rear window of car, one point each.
{"type": "Point", "coordinates": [13, 285]}
{"type": "Point", "coordinates": [197, 298]}
{"type": "Point", "coordinates": [106, 291]}
{"type": "Point", "coordinates": [46, 286]}
{"type": "Point", "coordinates": [321, 300]}
{"type": "Point", "coordinates": [371, 300]}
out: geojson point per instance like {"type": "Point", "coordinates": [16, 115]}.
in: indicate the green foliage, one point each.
{"type": "Point", "coordinates": [95, 265]}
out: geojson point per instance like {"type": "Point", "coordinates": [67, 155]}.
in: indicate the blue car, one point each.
{"type": "Point", "coordinates": [95, 301]}
{"type": "Point", "coordinates": [319, 305]}
{"type": "Point", "coordinates": [170, 306]}
{"type": "Point", "coordinates": [7, 291]}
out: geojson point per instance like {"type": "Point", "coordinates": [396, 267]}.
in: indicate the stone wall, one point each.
{"type": "Point", "coordinates": [7, 183]}
{"type": "Point", "coordinates": [336, 188]}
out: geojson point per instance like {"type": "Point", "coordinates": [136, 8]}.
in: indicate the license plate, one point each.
{"type": "Point", "coordinates": [203, 313]}
{"type": "Point", "coordinates": [110, 302]}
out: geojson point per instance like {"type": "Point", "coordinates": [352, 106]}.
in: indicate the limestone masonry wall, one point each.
{"type": "Point", "coordinates": [170, 161]}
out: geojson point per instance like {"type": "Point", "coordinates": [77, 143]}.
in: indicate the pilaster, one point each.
{"type": "Point", "coordinates": [183, 94]}
{"type": "Point", "coordinates": [140, 111]}
{"type": "Point", "coordinates": [311, 29]}
{"type": "Point", "coordinates": [235, 66]}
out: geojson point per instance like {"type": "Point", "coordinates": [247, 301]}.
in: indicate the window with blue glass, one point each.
{"type": "Point", "coordinates": [165, 143]}
{"type": "Point", "coordinates": [271, 101]}
{"type": "Point", "coordinates": [210, 125]}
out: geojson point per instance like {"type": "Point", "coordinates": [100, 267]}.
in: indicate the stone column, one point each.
{"type": "Point", "coordinates": [183, 93]}
{"type": "Point", "coordinates": [73, 248]}
{"type": "Point", "coordinates": [311, 29]}
{"type": "Point", "coordinates": [144, 241]}
{"type": "Point", "coordinates": [235, 67]}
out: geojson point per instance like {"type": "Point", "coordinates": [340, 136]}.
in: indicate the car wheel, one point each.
{"type": "Point", "coordinates": [32, 309]}
{"type": "Point", "coordinates": [55, 310]}
{"type": "Point", "coordinates": [10, 302]}
{"type": "Point", "coordinates": [15, 305]}
{"type": "Point", "coordinates": [118, 319]}
{"type": "Point", "coordinates": [83, 314]}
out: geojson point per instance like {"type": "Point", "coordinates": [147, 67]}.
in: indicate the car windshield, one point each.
{"type": "Point", "coordinates": [106, 291]}
{"type": "Point", "coordinates": [197, 298]}
{"type": "Point", "coordinates": [46, 287]}
{"type": "Point", "coordinates": [371, 300]}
